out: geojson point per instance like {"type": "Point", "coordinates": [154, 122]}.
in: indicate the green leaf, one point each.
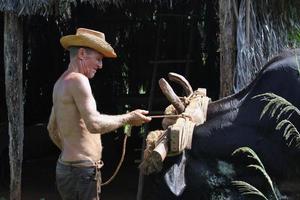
{"type": "Point", "coordinates": [247, 189]}
{"type": "Point", "coordinates": [250, 154]}
{"type": "Point", "coordinates": [281, 124]}
{"type": "Point", "coordinates": [286, 110]}
{"type": "Point", "coordinates": [276, 103]}
{"type": "Point", "coordinates": [258, 167]}
{"type": "Point", "coordinates": [265, 174]}
{"type": "Point", "coordinates": [127, 130]}
{"type": "Point", "coordinates": [290, 134]}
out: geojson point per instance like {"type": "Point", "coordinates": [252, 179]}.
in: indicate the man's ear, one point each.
{"type": "Point", "coordinates": [81, 53]}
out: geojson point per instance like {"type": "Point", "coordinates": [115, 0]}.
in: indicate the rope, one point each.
{"type": "Point", "coordinates": [120, 163]}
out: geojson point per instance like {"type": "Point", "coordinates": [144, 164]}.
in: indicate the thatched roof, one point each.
{"type": "Point", "coordinates": [49, 7]}
{"type": "Point", "coordinates": [63, 7]}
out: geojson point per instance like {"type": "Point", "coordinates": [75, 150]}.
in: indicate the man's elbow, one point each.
{"type": "Point", "coordinates": [93, 127]}
{"type": "Point", "coordinates": [96, 127]}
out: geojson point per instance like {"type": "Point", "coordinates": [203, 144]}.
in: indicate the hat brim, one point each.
{"type": "Point", "coordinates": [95, 43]}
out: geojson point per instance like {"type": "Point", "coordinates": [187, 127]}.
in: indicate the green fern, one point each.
{"type": "Point", "coordinates": [247, 189]}
{"type": "Point", "coordinates": [258, 166]}
{"type": "Point", "coordinates": [250, 154]}
{"type": "Point", "coordinates": [291, 134]}
{"type": "Point", "coordinates": [276, 103]}
{"type": "Point", "coordinates": [266, 175]}
{"type": "Point", "coordinates": [279, 104]}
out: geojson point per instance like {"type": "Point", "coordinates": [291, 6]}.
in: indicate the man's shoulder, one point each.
{"type": "Point", "coordinates": [77, 82]}
{"type": "Point", "coordinates": [76, 77]}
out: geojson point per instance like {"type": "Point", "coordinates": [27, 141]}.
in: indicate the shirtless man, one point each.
{"type": "Point", "coordinates": [75, 125]}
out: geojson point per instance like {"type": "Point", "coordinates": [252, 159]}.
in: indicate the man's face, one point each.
{"type": "Point", "coordinates": [92, 62]}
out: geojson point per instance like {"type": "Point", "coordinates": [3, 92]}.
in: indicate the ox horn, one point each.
{"type": "Point", "coordinates": [177, 78]}
{"type": "Point", "coordinates": [171, 96]}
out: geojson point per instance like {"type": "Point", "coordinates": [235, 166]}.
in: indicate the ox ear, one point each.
{"type": "Point", "coordinates": [175, 176]}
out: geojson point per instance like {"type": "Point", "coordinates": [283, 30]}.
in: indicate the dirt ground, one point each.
{"type": "Point", "coordinates": [38, 181]}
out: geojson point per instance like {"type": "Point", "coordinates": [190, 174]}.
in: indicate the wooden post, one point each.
{"type": "Point", "coordinates": [139, 195]}
{"type": "Point", "coordinates": [13, 63]}
{"type": "Point", "coordinates": [228, 29]}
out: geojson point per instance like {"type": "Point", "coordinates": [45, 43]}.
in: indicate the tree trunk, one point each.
{"type": "Point", "coordinates": [13, 62]}
{"type": "Point", "coordinates": [228, 28]}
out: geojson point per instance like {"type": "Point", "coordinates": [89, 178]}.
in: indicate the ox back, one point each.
{"type": "Point", "coordinates": [206, 171]}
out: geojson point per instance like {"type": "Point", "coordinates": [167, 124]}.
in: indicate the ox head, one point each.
{"type": "Point", "coordinates": [177, 134]}
{"type": "Point", "coordinates": [175, 181]}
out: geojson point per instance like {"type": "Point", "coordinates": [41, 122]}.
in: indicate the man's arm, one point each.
{"type": "Point", "coordinates": [96, 122]}
{"type": "Point", "coordinates": [53, 130]}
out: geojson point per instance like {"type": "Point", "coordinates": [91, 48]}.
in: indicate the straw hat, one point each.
{"type": "Point", "coordinates": [89, 38]}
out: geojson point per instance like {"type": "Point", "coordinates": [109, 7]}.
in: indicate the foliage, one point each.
{"type": "Point", "coordinates": [294, 36]}
{"type": "Point", "coordinates": [56, 7]}
{"type": "Point", "coordinates": [246, 188]}
{"type": "Point", "coordinates": [291, 134]}
{"type": "Point", "coordinates": [49, 7]}
{"type": "Point", "coordinates": [277, 104]}
{"type": "Point", "coordinates": [281, 107]}
{"type": "Point", "coordinates": [250, 155]}
{"type": "Point", "coordinates": [127, 130]}
{"type": "Point", "coordinates": [269, 27]}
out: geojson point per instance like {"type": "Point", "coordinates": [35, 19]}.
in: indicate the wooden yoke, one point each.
{"type": "Point", "coordinates": [194, 114]}
{"type": "Point", "coordinates": [177, 133]}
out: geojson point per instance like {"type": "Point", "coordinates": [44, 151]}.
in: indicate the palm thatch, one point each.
{"type": "Point", "coordinates": [60, 7]}
{"type": "Point", "coordinates": [49, 7]}
{"type": "Point", "coordinates": [264, 29]}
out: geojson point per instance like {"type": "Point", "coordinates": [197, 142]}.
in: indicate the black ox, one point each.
{"type": "Point", "coordinates": [206, 171]}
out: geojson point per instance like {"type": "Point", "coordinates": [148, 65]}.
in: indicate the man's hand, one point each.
{"type": "Point", "coordinates": [137, 117]}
